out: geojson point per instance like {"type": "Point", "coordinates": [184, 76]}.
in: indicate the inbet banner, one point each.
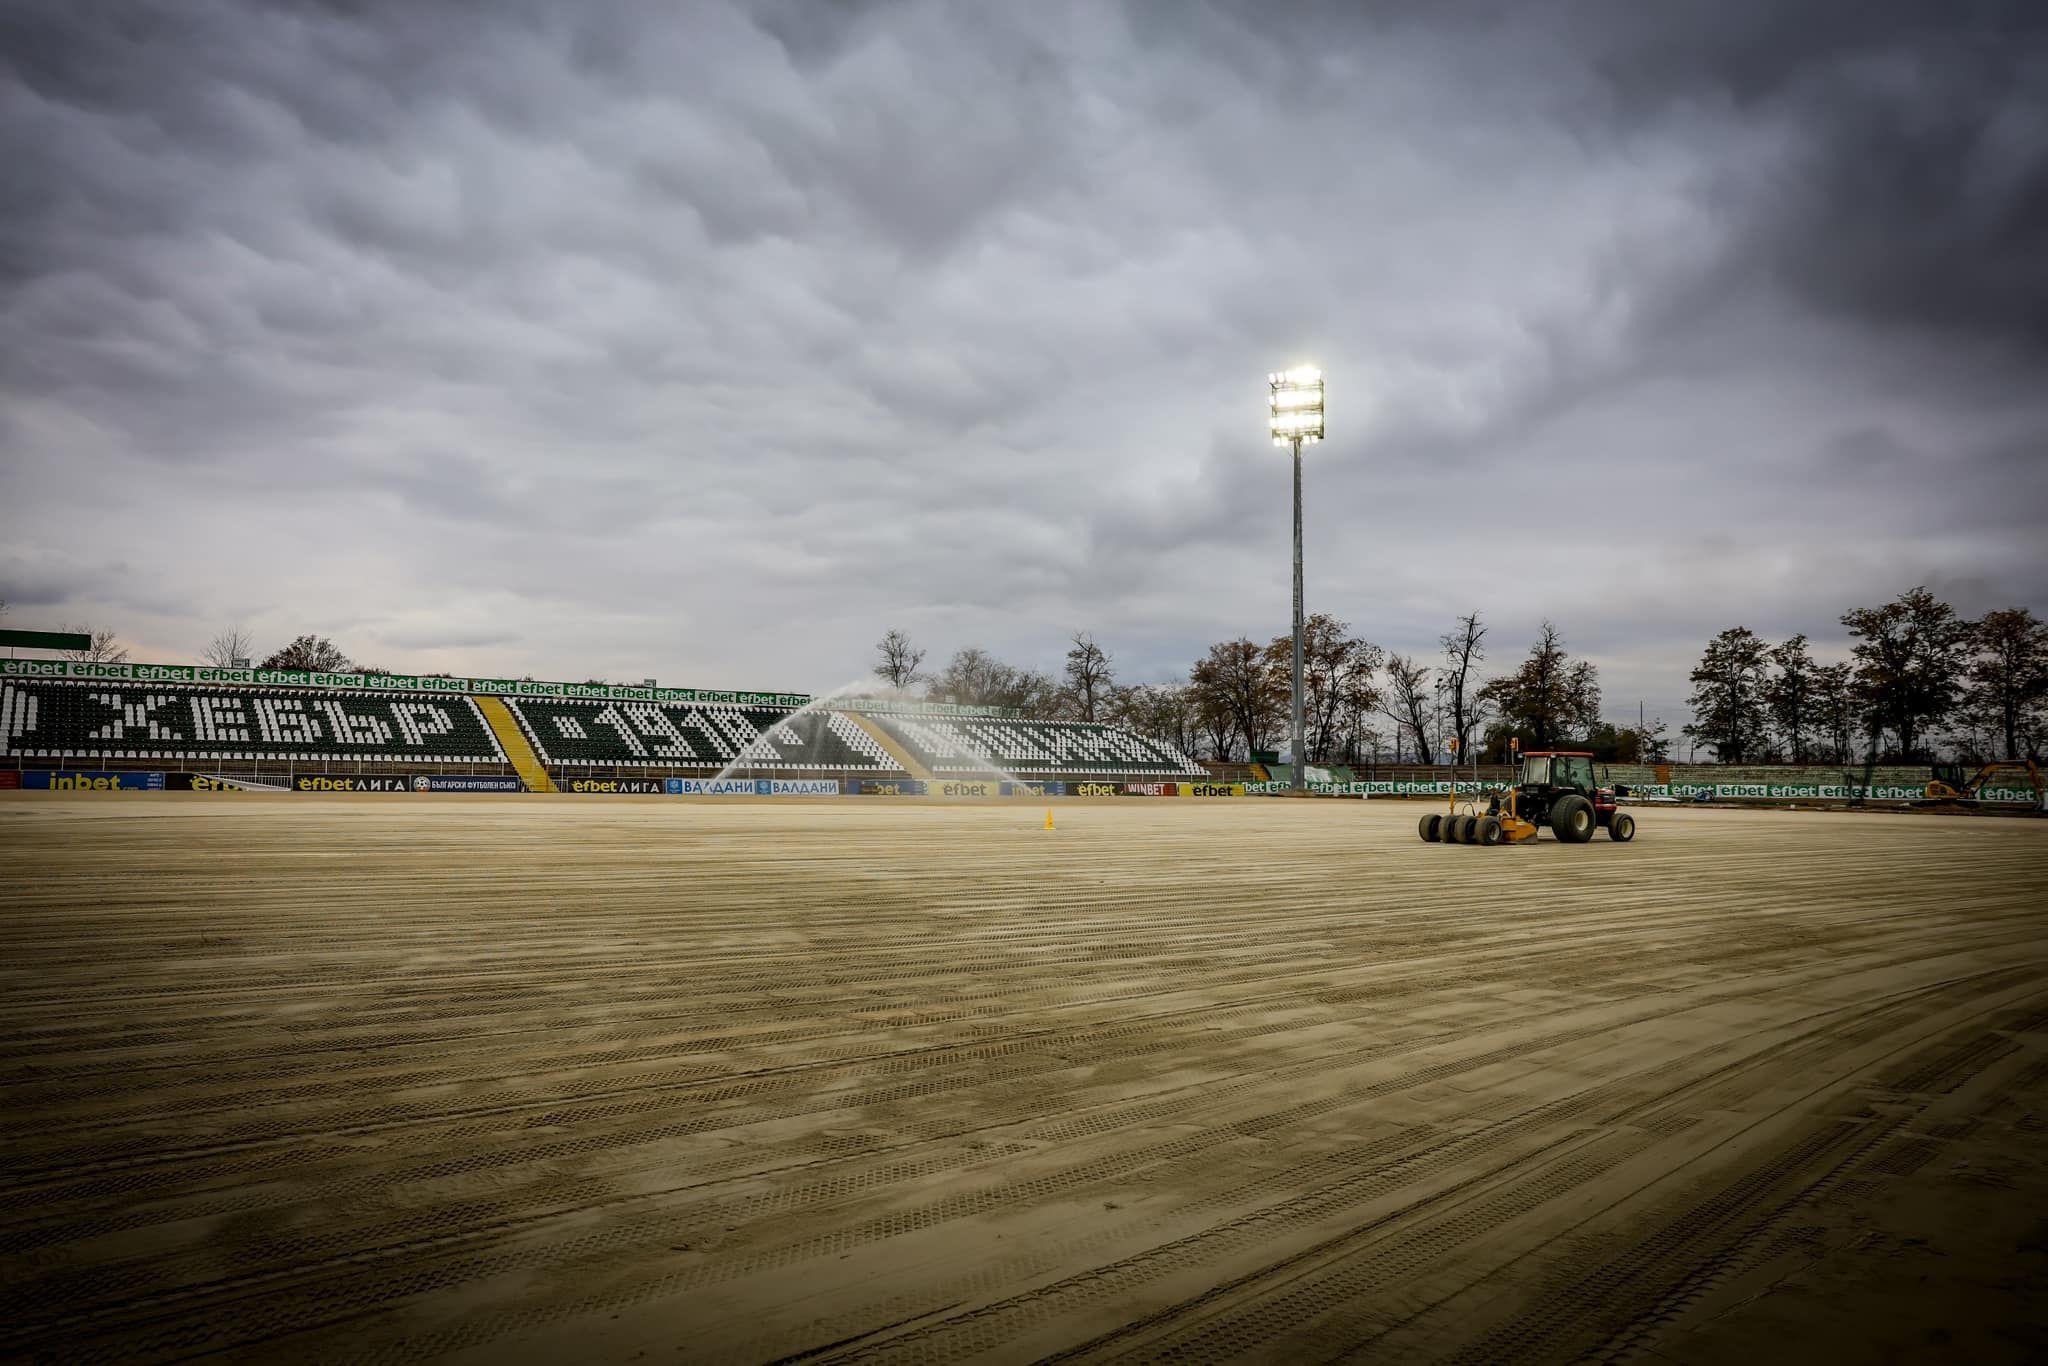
{"type": "Point", "coordinates": [44, 780]}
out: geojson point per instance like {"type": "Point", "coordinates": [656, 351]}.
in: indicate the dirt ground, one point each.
{"type": "Point", "coordinates": [594, 1079]}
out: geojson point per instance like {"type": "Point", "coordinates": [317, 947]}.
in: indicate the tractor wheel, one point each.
{"type": "Point", "coordinates": [1431, 827]}
{"type": "Point", "coordinates": [1621, 827]}
{"type": "Point", "coordinates": [1572, 818]}
{"type": "Point", "coordinates": [1466, 825]}
{"type": "Point", "coordinates": [1489, 830]}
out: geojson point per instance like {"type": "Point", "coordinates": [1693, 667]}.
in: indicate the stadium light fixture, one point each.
{"type": "Point", "coordinates": [1295, 416]}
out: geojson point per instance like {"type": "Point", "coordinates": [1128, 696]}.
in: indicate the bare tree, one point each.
{"type": "Point", "coordinates": [1407, 702]}
{"type": "Point", "coordinates": [977, 678]}
{"type": "Point", "coordinates": [899, 659]}
{"type": "Point", "coordinates": [1464, 698]}
{"type": "Point", "coordinates": [226, 648]}
{"type": "Point", "coordinates": [101, 650]}
{"type": "Point", "coordinates": [1090, 674]}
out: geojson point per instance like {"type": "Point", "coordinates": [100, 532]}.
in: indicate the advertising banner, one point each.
{"type": "Point", "coordinates": [715, 787]}
{"type": "Point", "coordinates": [43, 780]}
{"type": "Point", "coordinates": [803, 787]}
{"type": "Point", "coordinates": [631, 786]}
{"type": "Point", "coordinates": [1150, 789]}
{"type": "Point", "coordinates": [300, 678]}
{"type": "Point", "coordinates": [10, 780]}
{"type": "Point", "coordinates": [1093, 789]}
{"type": "Point", "coordinates": [452, 782]}
{"type": "Point", "coordinates": [892, 787]}
{"type": "Point", "coordinates": [207, 782]}
{"type": "Point", "coordinates": [351, 782]}
{"type": "Point", "coordinates": [964, 787]}
{"type": "Point", "coordinates": [1035, 789]}
{"type": "Point", "coordinates": [1212, 789]}
{"type": "Point", "coordinates": [891, 707]}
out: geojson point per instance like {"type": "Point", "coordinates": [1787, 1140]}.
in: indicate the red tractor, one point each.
{"type": "Point", "coordinates": [1554, 788]}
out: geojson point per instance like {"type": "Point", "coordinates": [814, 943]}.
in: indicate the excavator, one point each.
{"type": "Point", "coordinates": [1949, 787]}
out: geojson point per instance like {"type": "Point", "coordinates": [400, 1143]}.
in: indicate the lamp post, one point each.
{"type": "Point", "coordinates": [1296, 413]}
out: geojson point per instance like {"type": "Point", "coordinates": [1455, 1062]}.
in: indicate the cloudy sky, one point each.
{"type": "Point", "coordinates": [708, 341]}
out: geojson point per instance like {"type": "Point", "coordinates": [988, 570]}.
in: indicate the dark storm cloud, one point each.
{"type": "Point", "coordinates": [710, 342]}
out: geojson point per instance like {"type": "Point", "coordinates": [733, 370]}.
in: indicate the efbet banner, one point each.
{"type": "Point", "coordinates": [428, 683]}
{"type": "Point", "coordinates": [1212, 789]}
{"type": "Point", "coordinates": [210, 782]}
{"type": "Point", "coordinates": [633, 786]}
{"type": "Point", "coordinates": [890, 787]}
{"type": "Point", "coordinates": [964, 787]}
{"type": "Point", "coordinates": [351, 782]}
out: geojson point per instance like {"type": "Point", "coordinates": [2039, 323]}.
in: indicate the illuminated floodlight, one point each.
{"type": "Point", "coordinates": [1295, 418]}
{"type": "Point", "coordinates": [1296, 407]}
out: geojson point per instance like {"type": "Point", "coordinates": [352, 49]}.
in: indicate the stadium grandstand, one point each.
{"type": "Point", "coordinates": [1035, 749]}
{"type": "Point", "coordinates": [274, 726]}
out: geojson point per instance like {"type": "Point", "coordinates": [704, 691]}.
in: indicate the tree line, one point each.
{"type": "Point", "coordinates": [1921, 682]}
{"type": "Point", "coordinates": [1361, 703]}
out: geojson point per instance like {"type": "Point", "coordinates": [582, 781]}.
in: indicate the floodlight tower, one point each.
{"type": "Point", "coordinates": [1297, 416]}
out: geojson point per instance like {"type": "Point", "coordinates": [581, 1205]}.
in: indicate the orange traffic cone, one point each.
{"type": "Point", "coordinates": [1048, 818]}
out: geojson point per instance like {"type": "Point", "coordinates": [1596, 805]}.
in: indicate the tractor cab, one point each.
{"type": "Point", "coordinates": [1560, 772]}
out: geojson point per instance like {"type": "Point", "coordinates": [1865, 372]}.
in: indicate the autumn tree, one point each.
{"type": "Point", "coordinates": [1337, 669]}
{"type": "Point", "coordinates": [1835, 712]}
{"type": "Point", "coordinates": [1912, 655]}
{"type": "Point", "coordinates": [1164, 711]}
{"type": "Point", "coordinates": [2007, 678]}
{"type": "Point", "coordinates": [1549, 698]}
{"type": "Point", "coordinates": [1788, 696]}
{"type": "Point", "coordinates": [899, 661]}
{"type": "Point", "coordinates": [1728, 695]}
{"type": "Point", "coordinates": [1232, 682]}
{"type": "Point", "coordinates": [1089, 674]}
{"type": "Point", "coordinates": [315, 654]}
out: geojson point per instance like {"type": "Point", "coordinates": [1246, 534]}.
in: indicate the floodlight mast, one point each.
{"type": "Point", "coordinates": [1296, 415]}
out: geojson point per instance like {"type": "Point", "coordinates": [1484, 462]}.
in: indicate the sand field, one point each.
{"type": "Point", "coordinates": [489, 1079]}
